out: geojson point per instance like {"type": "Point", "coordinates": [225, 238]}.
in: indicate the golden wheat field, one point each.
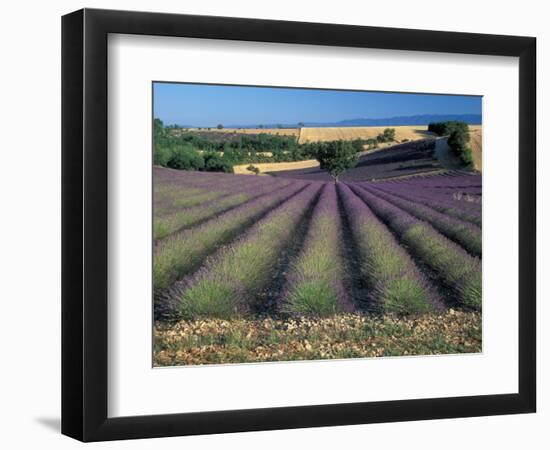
{"type": "Point", "coordinates": [349, 133]}
{"type": "Point", "coordinates": [276, 167]}
{"type": "Point", "coordinates": [475, 144]}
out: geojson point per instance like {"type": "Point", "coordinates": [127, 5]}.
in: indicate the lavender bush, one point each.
{"type": "Point", "coordinates": [183, 252]}
{"type": "Point", "coordinates": [188, 217]}
{"type": "Point", "coordinates": [443, 203]}
{"type": "Point", "coordinates": [454, 266]}
{"type": "Point", "coordinates": [228, 283]}
{"type": "Point", "coordinates": [463, 233]}
{"type": "Point", "coordinates": [395, 283]}
{"type": "Point", "coordinates": [314, 284]}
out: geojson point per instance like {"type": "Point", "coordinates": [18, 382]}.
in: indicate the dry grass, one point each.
{"type": "Point", "coordinates": [275, 131]}
{"type": "Point", "coordinates": [411, 133]}
{"type": "Point", "coordinates": [216, 341]}
{"type": "Point", "coordinates": [275, 167]}
{"type": "Point", "coordinates": [475, 144]}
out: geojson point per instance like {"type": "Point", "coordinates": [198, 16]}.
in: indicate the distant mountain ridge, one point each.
{"type": "Point", "coordinates": [423, 119]}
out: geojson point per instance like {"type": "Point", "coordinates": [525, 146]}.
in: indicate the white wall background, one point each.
{"type": "Point", "coordinates": [30, 226]}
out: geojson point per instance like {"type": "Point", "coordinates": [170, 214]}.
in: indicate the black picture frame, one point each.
{"type": "Point", "coordinates": [84, 224]}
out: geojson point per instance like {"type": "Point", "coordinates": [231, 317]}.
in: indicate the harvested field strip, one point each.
{"type": "Point", "coordinates": [315, 285]}
{"type": "Point", "coordinates": [455, 267]}
{"type": "Point", "coordinates": [276, 167]}
{"type": "Point", "coordinates": [227, 285]}
{"type": "Point", "coordinates": [215, 341]}
{"type": "Point", "coordinates": [447, 206]}
{"type": "Point", "coordinates": [395, 283]}
{"type": "Point", "coordinates": [182, 252]}
{"type": "Point", "coordinates": [316, 134]}
{"type": "Point", "coordinates": [186, 218]}
{"type": "Point", "coordinates": [463, 233]}
{"type": "Point", "coordinates": [476, 146]}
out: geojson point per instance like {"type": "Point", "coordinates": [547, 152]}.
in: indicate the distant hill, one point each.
{"type": "Point", "coordinates": [424, 119]}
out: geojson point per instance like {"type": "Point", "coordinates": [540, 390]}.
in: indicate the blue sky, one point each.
{"type": "Point", "coordinates": [209, 105]}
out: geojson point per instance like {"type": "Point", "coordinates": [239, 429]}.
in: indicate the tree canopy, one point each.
{"type": "Point", "coordinates": [336, 157]}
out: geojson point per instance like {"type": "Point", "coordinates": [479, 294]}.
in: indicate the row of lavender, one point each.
{"type": "Point", "coordinates": [412, 257]}
{"type": "Point", "coordinates": [457, 195]}
{"type": "Point", "coordinates": [212, 203]}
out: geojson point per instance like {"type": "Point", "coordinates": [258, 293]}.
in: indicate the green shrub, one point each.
{"type": "Point", "coordinates": [185, 158]}
{"type": "Point", "coordinates": [253, 169]}
{"type": "Point", "coordinates": [214, 162]}
{"type": "Point", "coordinates": [372, 143]}
{"type": "Point", "coordinates": [358, 144]}
{"type": "Point", "coordinates": [387, 136]}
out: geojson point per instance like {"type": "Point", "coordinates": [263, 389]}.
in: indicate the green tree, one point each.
{"type": "Point", "coordinates": [389, 134]}
{"type": "Point", "coordinates": [458, 141]}
{"type": "Point", "coordinates": [161, 156]}
{"type": "Point", "coordinates": [446, 128]}
{"type": "Point", "coordinates": [458, 137]}
{"type": "Point", "coordinates": [158, 128]}
{"type": "Point", "coordinates": [336, 157]}
{"type": "Point", "coordinates": [220, 126]}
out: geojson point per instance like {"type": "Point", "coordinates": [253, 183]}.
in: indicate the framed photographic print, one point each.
{"type": "Point", "coordinates": [273, 224]}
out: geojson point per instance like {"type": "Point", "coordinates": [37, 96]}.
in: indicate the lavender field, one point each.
{"type": "Point", "coordinates": [260, 268]}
